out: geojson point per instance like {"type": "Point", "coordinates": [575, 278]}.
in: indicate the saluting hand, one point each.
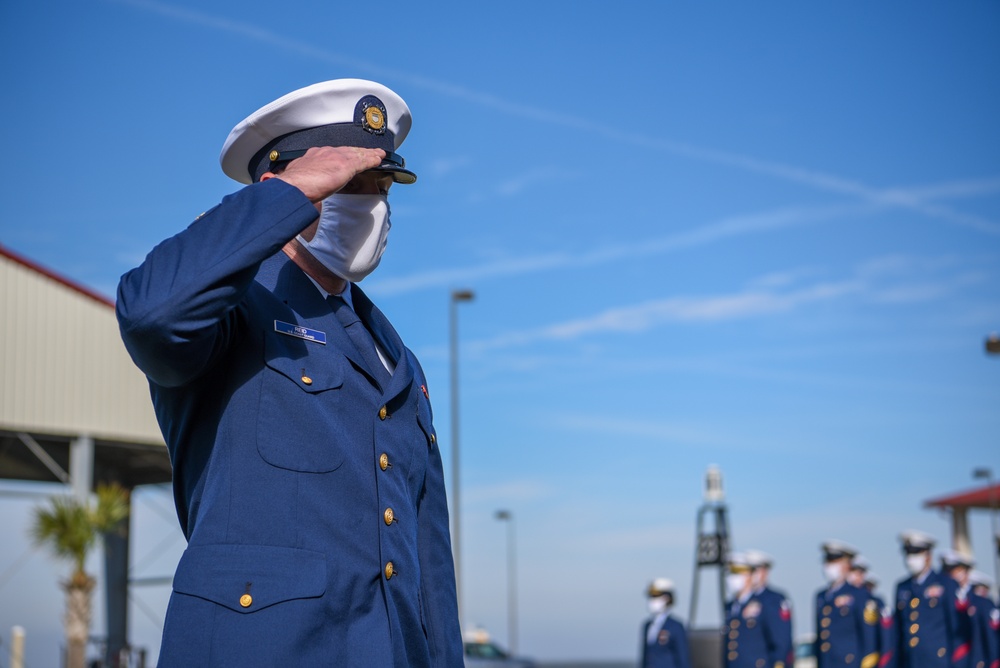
{"type": "Point", "coordinates": [324, 170]}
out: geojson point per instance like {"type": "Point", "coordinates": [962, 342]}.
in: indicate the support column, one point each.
{"type": "Point", "coordinates": [116, 567]}
{"type": "Point", "coordinates": [960, 530]}
{"type": "Point", "coordinates": [81, 467]}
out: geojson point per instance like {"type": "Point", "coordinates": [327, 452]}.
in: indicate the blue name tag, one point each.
{"type": "Point", "coordinates": [300, 332]}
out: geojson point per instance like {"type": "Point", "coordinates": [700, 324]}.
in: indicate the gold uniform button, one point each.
{"type": "Point", "coordinates": [433, 439]}
{"type": "Point", "coordinates": [307, 380]}
{"type": "Point", "coordinates": [383, 413]}
{"type": "Point", "coordinates": [734, 624]}
{"type": "Point", "coordinates": [732, 656]}
{"type": "Point", "coordinates": [941, 652]}
{"type": "Point", "coordinates": [825, 622]}
{"type": "Point", "coordinates": [914, 615]}
{"type": "Point", "coordinates": [914, 628]}
{"type": "Point", "coordinates": [824, 635]}
{"type": "Point", "coordinates": [825, 647]}
{"type": "Point", "coordinates": [733, 645]}
{"type": "Point", "coordinates": [390, 570]}
{"type": "Point", "coordinates": [914, 642]}
{"type": "Point", "coordinates": [827, 610]}
{"type": "Point", "coordinates": [849, 658]}
{"type": "Point", "coordinates": [383, 461]}
{"type": "Point", "coordinates": [246, 600]}
{"type": "Point", "coordinates": [760, 663]}
{"type": "Point", "coordinates": [389, 516]}
{"type": "Point", "coordinates": [933, 602]}
{"type": "Point", "coordinates": [733, 635]}
{"type": "Point", "coordinates": [914, 602]}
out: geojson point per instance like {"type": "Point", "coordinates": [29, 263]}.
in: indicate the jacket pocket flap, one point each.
{"type": "Point", "coordinates": [312, 370]}
{"type": "Point", "coordinates": [248, 578]}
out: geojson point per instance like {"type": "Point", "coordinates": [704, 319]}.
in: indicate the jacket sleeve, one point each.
{"type": "Point", "coordinates": [780, 629]}
{"type": "Point", "coordinates": [437, 569]}
{"type": "Point", "coordinates": [869, 623]}
{"type": "Point", "coordinates": [683, 650]}
{"type": "Point", "coordinates": [176, 310]}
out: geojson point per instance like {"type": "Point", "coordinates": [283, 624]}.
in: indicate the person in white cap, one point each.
{"type": "Point", "coordinates": [751, 639]}
{"type": "Point", "coordinates": [847, 618]}
{"type": "Point", "coordinates": [307, 474]}
{"type": "Point", "coordinates": [777, 610]}
{"type": "Point", "coordinates": [926, 620]}
{"type": "Point", "coordinates": [862, 577]}
{"type": "Point", "coordinates": [985, 623]}
{"type": "Point", "coordinates": [975, 641]}
{"type": "Point", "coordinates": [664, 640]}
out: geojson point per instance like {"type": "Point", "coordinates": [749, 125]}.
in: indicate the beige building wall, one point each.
{"type": "Point", "coordinates": [63, 367]}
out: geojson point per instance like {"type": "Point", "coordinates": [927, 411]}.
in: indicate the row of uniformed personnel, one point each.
{"type": "Point", "coordinates": [940, 619]}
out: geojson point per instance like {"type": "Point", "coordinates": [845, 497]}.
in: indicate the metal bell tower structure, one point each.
{"type": "Point", "coordinates": [711, 543]}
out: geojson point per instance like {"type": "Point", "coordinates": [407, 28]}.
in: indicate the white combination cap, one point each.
{"type": "Point", "coordinates": [341, 112]}
{"type": "Point", "coordinates": [916, 541]}
{"type": "Point", "coordinates": [660, 587]}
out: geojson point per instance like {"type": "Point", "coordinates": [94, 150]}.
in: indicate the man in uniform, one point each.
{"type": "Point", "coordinates": [751, 640]}
{"type": "Point", "coordinates": [862, 577]}
{"type": "Point", "coordinates": [957, 566]}
{"type": "Point", "coordinates": [925, 616]}
{"type": "Point", "coordinates": [664, 641]}
{"type": "Point", "coordinates": [777, 609]}
{"type": "Point", "coordinates": [847, 618]}
{"type": "Point", "coordinates": [985, 623]}
{"type": "Point", "coordinates": [307, 474]}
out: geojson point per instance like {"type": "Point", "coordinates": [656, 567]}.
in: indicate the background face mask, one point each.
{"type": "Point", "coordinates": [657, 605]}
{"type": "Point", "coordinates": [352, 234]}
{"type": "Point", "coordinates": [735, 583]}
{"type": "Point", "coordinates": [915, 563]}
{"type": "Point", "coordinates": [832, 572]}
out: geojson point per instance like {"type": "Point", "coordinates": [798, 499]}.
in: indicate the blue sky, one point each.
{"type": "Point", "coordinates": [761, 235]}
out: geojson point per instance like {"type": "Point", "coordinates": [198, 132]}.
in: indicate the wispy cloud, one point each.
{"type": "Point", "coordinates": [645, 316]}
{"type": "Point", "coordinates": [731, 226]}
{"type": "Point", "coordinates": [905, 279]}
{"type": "Point", "coordinates": [907, 199]}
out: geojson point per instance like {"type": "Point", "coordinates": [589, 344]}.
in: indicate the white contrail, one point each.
{"type": "Point", "coordinates": [816, 179]}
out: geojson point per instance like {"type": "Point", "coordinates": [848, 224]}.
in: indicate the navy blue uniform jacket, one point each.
{"type": "Point", "coordinates": [926, 622]}
{"type": "Point", "coordinates": [669, 650]}
{"type": "Point", "coordinates": [848, 620]}
{"type": "Point", "coordinates": [754, 634]}
{"type": "Point", "coordinates": [297, 477]}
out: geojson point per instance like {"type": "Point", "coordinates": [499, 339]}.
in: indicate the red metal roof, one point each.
{"type": "Point", "coordinates": [983, 497]}
{"type": "Point", "coordinates": [73, 285]}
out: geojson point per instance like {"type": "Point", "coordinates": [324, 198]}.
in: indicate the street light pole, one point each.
{"type": "Point", "coordinates": [456, 524]}
{"type": "Point", "coordinates": [508, 517]}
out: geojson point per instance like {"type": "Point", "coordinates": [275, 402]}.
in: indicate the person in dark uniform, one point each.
{"type": "Point", "coordinates": [306, 469]}
{"type": "Point", "coordinates": [750, 638]}
{"type": "Point", "coordinates": [847, 618]}
{"type": "Point", "coordinates": [957, 566]}
{"type": "Point", "coordinates": [985, 623]}
{"type": "Point", "coordinates": [926, 624]}
{"type": "Point", "coordinates": [777, 609]}
{"type": "Point", "coordinates": [861, 576]}
{"type": "Point", "coordinates": [664, 640]}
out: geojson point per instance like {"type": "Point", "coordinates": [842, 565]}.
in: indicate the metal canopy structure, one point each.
{"type": "Point", "coordinates": [73, 407]}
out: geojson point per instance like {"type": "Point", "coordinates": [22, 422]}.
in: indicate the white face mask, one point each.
{"type": "Point", "coordinates": [352, 234]}
{"type": "Point", "coordinates": [658, 605]}
{"type": "Point", "coordinates": [915, 563]}
{"type": "Point", "coordinates": [833, 571]}
{"type": "Point", "coordinates": [735, 582]}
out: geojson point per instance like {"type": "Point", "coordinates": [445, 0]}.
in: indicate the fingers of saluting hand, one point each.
{"type": "Point", "coordinates": [324, 170]}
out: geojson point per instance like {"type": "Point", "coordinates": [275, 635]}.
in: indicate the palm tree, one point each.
{"type": "Point", "coordinates": [70, 528]}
